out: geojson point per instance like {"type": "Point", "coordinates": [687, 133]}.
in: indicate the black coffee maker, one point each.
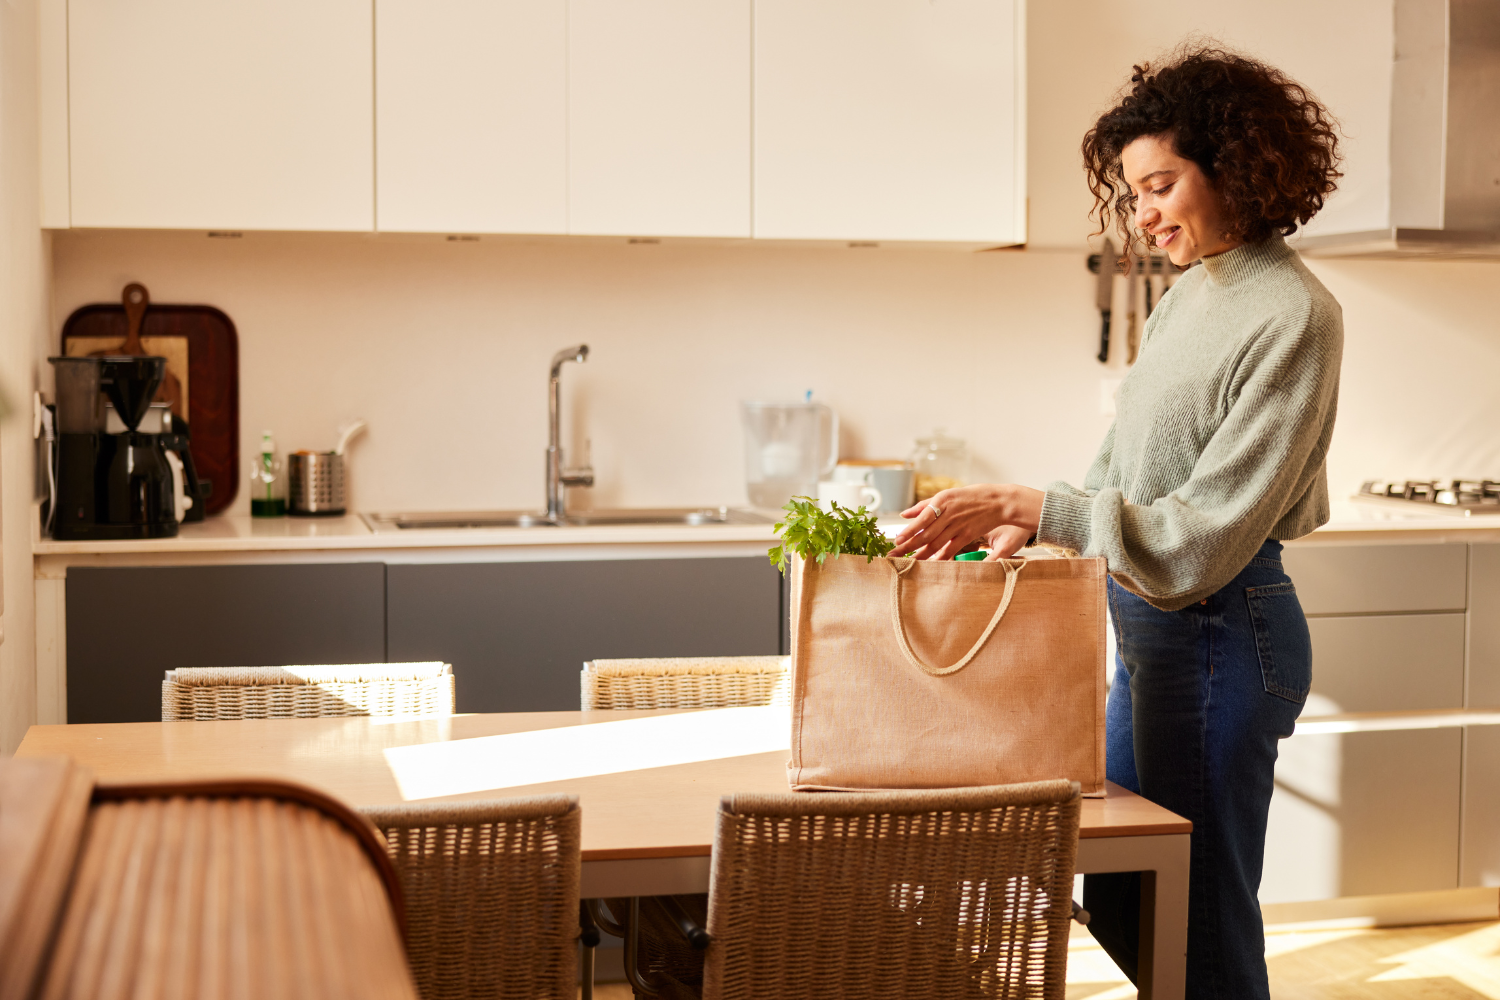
{"type": "Point", "coordinates": [112, 477]}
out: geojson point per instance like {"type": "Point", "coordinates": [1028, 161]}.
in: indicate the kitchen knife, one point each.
{"type": "Point", "coordinates": [1132, 285]}
{"type": "Point", "coordinates": [1104, 292]}
{"type": "Point", "coordinates": [1151, 263]}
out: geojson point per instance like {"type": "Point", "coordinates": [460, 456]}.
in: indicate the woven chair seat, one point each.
{"type": "Point", "coordinates": [686, 682]}
{"type": "Point", "coordinates": [379, 689]}
{"type": "Point", "coordinates": [491, 892]}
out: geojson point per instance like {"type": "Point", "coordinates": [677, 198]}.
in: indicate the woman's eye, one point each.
{"type": "Point", "coordinates": [1163, 189]}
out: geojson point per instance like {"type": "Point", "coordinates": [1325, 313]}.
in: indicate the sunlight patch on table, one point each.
{"type": "Point", "coordinates": [461, 767]}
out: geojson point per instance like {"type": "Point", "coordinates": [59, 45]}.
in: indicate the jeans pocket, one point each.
{"type": "Point", "coordinates": [1281, 640]}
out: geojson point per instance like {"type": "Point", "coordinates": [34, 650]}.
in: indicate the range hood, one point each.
{"type": "Point", "coordinates": [1445, 138]}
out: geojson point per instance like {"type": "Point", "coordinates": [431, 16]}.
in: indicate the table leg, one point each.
{"type": "Point", "coordinates": [1163, 862]}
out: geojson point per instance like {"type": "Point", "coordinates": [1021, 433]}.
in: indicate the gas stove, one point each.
{"type": "Point", "coordinates": [1458, 497]}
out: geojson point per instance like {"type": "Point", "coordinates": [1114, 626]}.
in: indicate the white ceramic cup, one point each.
{"type": "Point", "coordinates": [850, 496]}
{"type": "Point", "coordinates": [849, 472]}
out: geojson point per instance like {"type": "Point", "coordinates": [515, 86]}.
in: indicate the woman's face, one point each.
{"type": "Point", "coordinates": [1175, 202]}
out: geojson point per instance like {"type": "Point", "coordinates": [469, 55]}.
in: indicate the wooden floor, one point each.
{"type": "Point", "coordinates": [1444, 962]}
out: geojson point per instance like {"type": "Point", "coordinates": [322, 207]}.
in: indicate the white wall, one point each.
{"type": "Point", "coordinates": [444, 346]}
{"type": "Point", "coordinates": [23, 326]}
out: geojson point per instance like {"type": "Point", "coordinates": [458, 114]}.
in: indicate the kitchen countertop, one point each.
{"type": "Point", "coordinates": [243, 533]}
{"type": "Point", "coordinates": [1351, 521]}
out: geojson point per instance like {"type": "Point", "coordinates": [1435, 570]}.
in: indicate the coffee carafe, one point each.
{"type": "Point", "coordinates": [119, 471]}
{"type": "Point", "coordinates": [789, 447]}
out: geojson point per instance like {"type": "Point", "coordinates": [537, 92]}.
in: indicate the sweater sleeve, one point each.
{"type": "Point", "coordinates": [1188, 544]}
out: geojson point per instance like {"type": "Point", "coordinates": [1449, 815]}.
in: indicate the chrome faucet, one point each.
{"type": "Point", "coordinates": [559, 478]}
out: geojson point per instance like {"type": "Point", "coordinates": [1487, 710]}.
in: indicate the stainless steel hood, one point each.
{"type": "Point", "coordinates": [1445, 138]}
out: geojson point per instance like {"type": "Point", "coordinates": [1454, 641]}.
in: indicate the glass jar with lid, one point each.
{"type": "Point", "coordinates": [940, 463]}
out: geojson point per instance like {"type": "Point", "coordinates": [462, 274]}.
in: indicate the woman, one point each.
{"type": "Point", "coordinates": [1216, 457]}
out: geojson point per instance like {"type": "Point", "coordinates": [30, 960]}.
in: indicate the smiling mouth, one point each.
{"type": "Point", "coordinates": [1163, 239]}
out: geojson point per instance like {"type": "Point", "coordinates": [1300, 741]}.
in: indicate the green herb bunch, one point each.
{"type": "Point", "coordinates": [809, 530]}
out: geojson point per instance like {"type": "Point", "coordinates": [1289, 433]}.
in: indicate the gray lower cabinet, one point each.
{"type": "Point", "coordinates": [1369, 813]}
{"type": "Point", "coordinates": [517, 633]}
{"type": "Point", "coordinates": [1377, 579]}
{"type": "Point", "coordinates": [1386, 663]}
{"type": "Point", "coordinates": [1484, 626]}
{"type": "Point", "coordinates": [1361, 814]}
{"type": "Point", "coordinates": [127, 625]}
{"type": "Point", "coordinates": [1480, 864]}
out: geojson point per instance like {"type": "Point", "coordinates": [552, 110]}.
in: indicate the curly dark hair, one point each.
{"type": "Point", "coordinates": [1267, 146]}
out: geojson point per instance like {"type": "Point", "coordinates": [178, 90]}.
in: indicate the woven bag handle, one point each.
{"type": "Point", "coordinates": [1012, 571]}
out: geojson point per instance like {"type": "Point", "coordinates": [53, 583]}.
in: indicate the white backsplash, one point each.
{"type": "Point", "coordinates": [443, 347]}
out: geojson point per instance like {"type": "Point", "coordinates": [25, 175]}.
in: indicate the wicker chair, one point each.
{"type": "Point", "coordinates": [203, 693]}
{"type": "Point", "coordinates": [937, 893]}
{"type": "Point", "coordinates": [687, 682]}
{"type": "Point", "coordinates": [491, 893]}
{"type": "Point", "coordinates": [225, 889]}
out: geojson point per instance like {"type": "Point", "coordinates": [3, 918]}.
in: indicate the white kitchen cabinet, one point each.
{"type": "Point", "coordinates": [185, 114]}
{"type": "Point", "coordinates": [890, 120]}
{"type": "Point", "coordinates": [659, 117]}
{"type": "Point", "coordinates": [471, 111]}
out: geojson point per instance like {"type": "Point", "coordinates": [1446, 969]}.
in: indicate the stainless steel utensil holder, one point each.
{"type": "Point", "coordinates": [315, 484]}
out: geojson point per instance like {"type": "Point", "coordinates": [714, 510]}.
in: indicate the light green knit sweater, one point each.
{"type": "Point", "coordinates": [1220, 432]}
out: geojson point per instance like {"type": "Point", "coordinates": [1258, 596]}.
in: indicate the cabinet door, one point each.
{"type": "Point", "coordinates": [890, 120]}
{"type": "Point", "coordinates": [1362, 814]}
{"type": "Point", "coordinates": [126, 626]}
{"type": "Point", "coordinates": [1386, 663]}
{"type": "Point", "coordinates": [192, 115]}
{"type": "Point", "coordinates": [659, 117]}
{"type": "Point", "coordinates": [518, 633]}
{"type": "Point", "coordinates": [1481, 841]}
{"type": "Point", "coordinates": [471, 105]}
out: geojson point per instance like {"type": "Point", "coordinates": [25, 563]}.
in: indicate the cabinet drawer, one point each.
{"type": "Point", "coordinates": [1362, 814]}
{"type": "Point", "coordinates": [1364, 579]}
{"type": "Point", "coordinates": [1387, 663]}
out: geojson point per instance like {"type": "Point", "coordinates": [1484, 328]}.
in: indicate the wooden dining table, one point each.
{"type": "Point", "coordinates": [649, 785]}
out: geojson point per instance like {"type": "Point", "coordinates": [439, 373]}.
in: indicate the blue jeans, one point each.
{"type": "Point", "coordinates": [1200, 698]}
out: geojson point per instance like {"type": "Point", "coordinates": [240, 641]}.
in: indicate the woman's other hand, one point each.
{"type": "Point", "coordinates": [951, 520]}
{"type": "Point", "coordinates": [1005, 541]}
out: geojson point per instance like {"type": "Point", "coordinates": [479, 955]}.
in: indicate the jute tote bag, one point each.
{"type": "Point", "coordinates": [927, 674]}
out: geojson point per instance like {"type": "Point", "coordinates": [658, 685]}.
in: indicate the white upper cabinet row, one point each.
{"type": "Point", "coordinates": [779, 119]}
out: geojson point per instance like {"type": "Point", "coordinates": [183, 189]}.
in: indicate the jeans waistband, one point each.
{"type": "Point", "coordinates": [1270, 551]}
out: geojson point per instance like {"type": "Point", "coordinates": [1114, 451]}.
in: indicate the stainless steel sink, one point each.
{"type": "Point", "coordinates": [384, 523]}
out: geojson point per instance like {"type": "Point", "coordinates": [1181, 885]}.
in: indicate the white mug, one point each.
{"type": "Point", "coordinates": [851, 472]}
{"type": "Point", "coordinates": [850, 496]}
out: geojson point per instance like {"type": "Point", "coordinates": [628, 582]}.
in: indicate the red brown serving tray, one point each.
{"type": "Point", "coordinates": [206, 339]}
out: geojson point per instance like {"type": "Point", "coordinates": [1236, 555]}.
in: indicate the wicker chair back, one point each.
{"type": "Point", "coordinates": [491, 893]}
{"type": "Point", "coordinates": [944, 893]}
{"type": "Point", "coordinates": [380, 689]}
{"type": "Point", "coordinates": [687, 682]}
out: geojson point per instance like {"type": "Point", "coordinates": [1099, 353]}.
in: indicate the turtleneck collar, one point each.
{"type": "Point", "coordinates": [1247, 261]}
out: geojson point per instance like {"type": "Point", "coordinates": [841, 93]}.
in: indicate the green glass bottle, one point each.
{"type": "Point", "coordinates": [267, 493]}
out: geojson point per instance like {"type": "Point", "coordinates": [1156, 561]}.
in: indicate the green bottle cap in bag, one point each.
{"type": "Point", "coordinates": [977, 555]}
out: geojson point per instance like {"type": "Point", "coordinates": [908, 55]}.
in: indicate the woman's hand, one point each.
{"type": "Point", "coordinates": [1006, 515]}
